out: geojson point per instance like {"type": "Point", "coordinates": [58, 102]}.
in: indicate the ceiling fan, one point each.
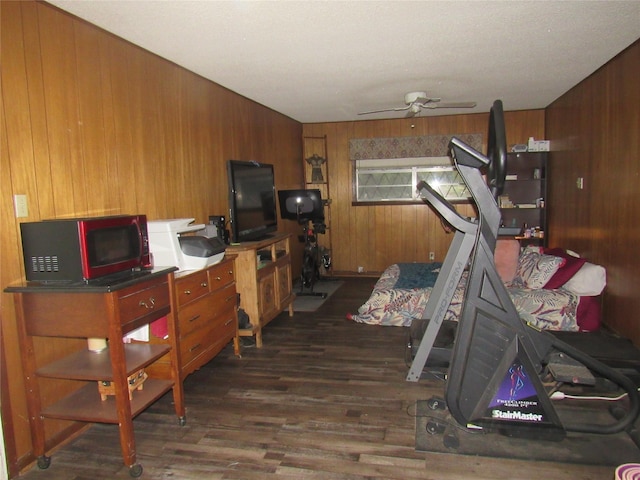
{"type": "Point", "coordinates": [416, 101]}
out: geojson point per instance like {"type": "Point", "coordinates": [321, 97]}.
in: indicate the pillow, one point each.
{"type": "Point", "coordinates": [535, 269]}
{"type": "Point", "coordinates": [589, 281]}
{"type": "Point", "coordinates": [570, 267]}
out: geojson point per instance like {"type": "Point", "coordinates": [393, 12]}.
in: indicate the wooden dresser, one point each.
{"type": "Point", "coordinates": [205, 314]}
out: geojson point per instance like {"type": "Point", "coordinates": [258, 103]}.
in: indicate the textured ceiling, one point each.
{"type": "Point", "coordinates": [322, 61]}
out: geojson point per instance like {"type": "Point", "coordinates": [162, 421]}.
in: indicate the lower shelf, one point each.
{"type": "Point", "coordinates": [85, 404]}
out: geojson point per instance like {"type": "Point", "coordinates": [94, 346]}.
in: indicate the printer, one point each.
{"type": "Point", "coordinates": [175, 242]}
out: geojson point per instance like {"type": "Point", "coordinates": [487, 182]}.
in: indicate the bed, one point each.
{"type": "Point", "coordinates": [552, 289]}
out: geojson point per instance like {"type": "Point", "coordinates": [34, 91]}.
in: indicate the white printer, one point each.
{"type": "Point", "coordinates": [171, 246]}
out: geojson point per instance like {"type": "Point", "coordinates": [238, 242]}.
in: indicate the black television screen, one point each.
{"type": "Point", "coordinates": [301, 205]}
{"type": "Point", "coordinates": [252, 200]}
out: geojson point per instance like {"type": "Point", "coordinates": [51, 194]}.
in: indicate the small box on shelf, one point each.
{"type": "Point", "coordinates": [135, 382]}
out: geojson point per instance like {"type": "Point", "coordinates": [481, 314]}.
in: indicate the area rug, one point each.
{"type": "Point", "coordinates": [581, 448]}
{"type": "Point", "coordinates": [304, 303]}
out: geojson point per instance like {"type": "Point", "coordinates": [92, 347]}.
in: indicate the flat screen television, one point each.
{"type": "Point", "coordinates": [252, 200]}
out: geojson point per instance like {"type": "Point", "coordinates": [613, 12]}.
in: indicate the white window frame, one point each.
{"type": "Point", "coordinates": [415, 166]}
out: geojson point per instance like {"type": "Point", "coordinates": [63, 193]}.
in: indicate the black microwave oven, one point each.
{"type": "Point", "coordinates": [83, 249]}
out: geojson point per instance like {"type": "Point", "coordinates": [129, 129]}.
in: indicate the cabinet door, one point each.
{"type": "Point", "coordinates": [284, 283]}
{"type": "Point", "coordinates": [267, 295]}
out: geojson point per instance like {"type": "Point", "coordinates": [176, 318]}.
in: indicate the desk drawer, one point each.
{"type": "Point", "coordinates": [152, 302]}
{"type": "Point", "coordinates": [201, 312]}
{"type": "Point", "coordinates": [192, 287]}
{"type": "Point", "coordinates": [210, 340]}
{"type": "Point", "coordinates": [221, 274]}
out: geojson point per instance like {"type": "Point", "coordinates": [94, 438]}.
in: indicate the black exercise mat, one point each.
{"type": "Point", "coordinates": [586, 449]}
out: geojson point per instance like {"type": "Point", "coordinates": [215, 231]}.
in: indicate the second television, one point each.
{"type": "Point", "coordinates": [252, 200]}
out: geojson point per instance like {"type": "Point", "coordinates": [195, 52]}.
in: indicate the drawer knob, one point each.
{"type": "Point", "coordinates": [194, 318]}
{"type": "Point", "coordinates": [204, 284]}
{"type": "Point", "coordinates": [195, 347]}
{"type": "Point", "coordinates": [228, 322]}
{"type": "Point", "coordinates": [187, 292]}
{"type": "Point", "coordinates": [218, 278]}
{"type": "Point", "coordinates": [151, 303]}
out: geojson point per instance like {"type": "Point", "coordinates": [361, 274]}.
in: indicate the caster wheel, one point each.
{"type": "Point", "coordinates": [44, 462]}
{"type": "Point", "coordinates": [135, 470]}
{"type": "Point", "coordinates": [435, 428]}
{"type": "Point", "coordinates": [182, 421]}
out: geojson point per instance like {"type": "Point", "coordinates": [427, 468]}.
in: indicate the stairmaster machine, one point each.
{"type": "Point", "coordinates": [502, 372]}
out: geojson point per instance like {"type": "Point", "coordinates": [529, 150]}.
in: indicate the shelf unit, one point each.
{"type": "Point", "coordinates": [263, 279]}
{"type": "Point", "coordinates": [109, 312]}
{"type": "Point", "coordinates": [526, 189]}
{"type": "Point", "coordinates": [316, 176]}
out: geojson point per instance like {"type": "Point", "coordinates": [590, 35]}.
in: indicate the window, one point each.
{"type": "Point", "coordinates": [395, 180]}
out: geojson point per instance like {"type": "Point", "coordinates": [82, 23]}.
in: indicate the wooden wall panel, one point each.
{"type": "Point", "coordinates": [375, 237]}
{"type": "Point", "coordinates": [595, 134]}
{"type": "Point", "coordinates": [92, 125]}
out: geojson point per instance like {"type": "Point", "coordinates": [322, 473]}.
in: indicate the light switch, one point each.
{"type": "Point", "coordinates": [580, 183]}
{"type": "Point", "coordinates": [20, 203]}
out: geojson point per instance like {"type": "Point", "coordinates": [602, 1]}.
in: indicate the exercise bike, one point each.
{"type": "Point", "coordinates": [307, 208]}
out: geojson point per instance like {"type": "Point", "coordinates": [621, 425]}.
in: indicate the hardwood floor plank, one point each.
{"type": "Point", "coordinates": [325, 398]}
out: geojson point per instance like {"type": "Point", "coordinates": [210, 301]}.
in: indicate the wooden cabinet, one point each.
{"type": "Point", "coordinates": [206, 308]}
{"type": "Point", "coordinates": [87, 311]}
{"type": "Point", "coordinates": [205, 314]}
{"type": "Point", "coordinates": [263, 279]}
{"type": "Point", "coordinates": [523, 202]}
{"type": "Point", "coordinates": [316, 176]}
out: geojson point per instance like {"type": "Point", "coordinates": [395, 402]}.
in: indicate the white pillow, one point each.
{"type": "Point", "coordinates": [589, 281]}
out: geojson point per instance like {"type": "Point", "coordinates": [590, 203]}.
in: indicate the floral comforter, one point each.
{"type": "Point", "coordinates": [402, 292]}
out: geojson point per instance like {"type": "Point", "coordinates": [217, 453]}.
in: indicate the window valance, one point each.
{"type": "Point", "coordinates": [408, 147]}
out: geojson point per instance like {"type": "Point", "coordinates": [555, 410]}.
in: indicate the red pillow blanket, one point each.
{"type": "Point", "coordinates": [566, 271]}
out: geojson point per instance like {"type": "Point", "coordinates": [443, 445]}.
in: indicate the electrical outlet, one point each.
{"type": "Point", "coordinates": [360, 269]}
{"type": "Point", "coordinates": [20, 203]}
{"type": "Point", "coordinates": [432, 255]}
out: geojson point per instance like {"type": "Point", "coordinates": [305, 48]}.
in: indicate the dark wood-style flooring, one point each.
{"type": "Point", "coordinates": [324, 398]}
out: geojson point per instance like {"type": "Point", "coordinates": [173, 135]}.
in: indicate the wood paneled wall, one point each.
{"type": "Point", "coordinates": [595, 134]}
{"type": "Point", "coordinates": [92, 125]}
{"type": "Point", "coordinates": [375, 237]}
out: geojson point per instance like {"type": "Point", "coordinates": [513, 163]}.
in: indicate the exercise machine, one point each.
{"type": "Point", "coordinates": [458, 255]}
{"type": "Point", "coordinates": [503, 372]}
{"type": "Point", "coordinates": [307, 208]}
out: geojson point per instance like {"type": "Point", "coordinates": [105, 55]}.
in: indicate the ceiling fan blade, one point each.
{"type": "Point", "coordinates": [450, 105]}
{"type": "Point", "coordinates": [386, 110]}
